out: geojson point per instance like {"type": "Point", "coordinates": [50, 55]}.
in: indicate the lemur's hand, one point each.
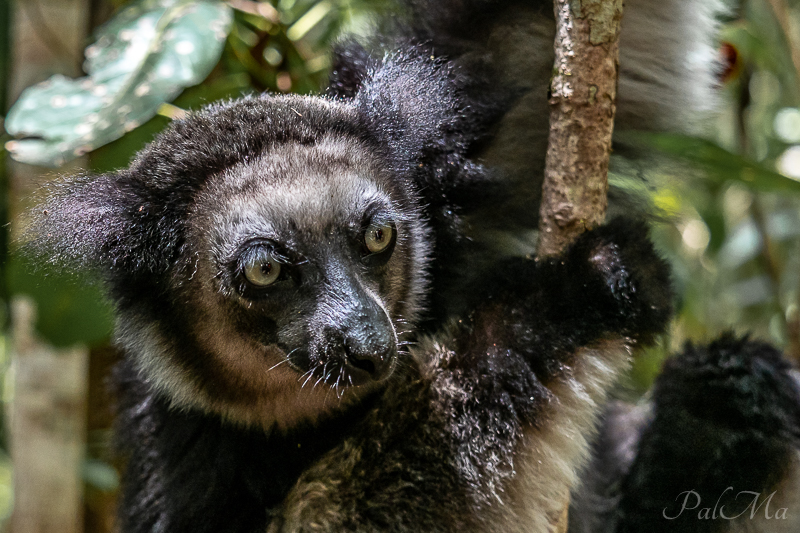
{"type": "Point", "coordinates": [624, 281]}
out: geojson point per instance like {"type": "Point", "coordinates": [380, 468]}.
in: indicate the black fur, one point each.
{"type": "Point", "coordinates": [724, 423]}
{"type": "Point", "coordinates": [186, 471]}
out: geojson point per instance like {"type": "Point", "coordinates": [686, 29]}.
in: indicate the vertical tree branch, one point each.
{"type": "Point", "coordinates": [582, 107]}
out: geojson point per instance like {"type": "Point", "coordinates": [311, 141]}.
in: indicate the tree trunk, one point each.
{"type": "Point", "coordinates": [48, 427]}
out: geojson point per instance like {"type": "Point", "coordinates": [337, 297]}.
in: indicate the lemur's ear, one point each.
{"type": "Point", "coordinates": [93, 224]}
{"type": "Point", "coordinates": [408, 102]}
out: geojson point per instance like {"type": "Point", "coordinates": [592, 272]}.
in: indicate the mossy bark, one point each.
{"type": "Point", "coordinates": [582, 107]}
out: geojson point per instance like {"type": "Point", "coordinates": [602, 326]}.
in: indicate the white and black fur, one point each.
{"type": "Point", "coordinates": [438, 385]}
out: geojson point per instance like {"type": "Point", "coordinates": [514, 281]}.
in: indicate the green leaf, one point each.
{"type": "Point", "coordinates": [144, 57]}
{"type": "Point", "coordinates": [718, 164]}
{"type": "Point", "coordinates": [119, 153]}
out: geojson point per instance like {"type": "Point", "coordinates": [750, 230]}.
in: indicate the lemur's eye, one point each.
{"type": "Point", "coordinates": [378, 237]}
{"type": "Point", "coordinates": [262, 269]}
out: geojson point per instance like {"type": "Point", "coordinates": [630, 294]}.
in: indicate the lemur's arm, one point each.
{"type": "Point", "coordinates": [493, 428]}
{"type": "Point", "coordinates": [609, 284]}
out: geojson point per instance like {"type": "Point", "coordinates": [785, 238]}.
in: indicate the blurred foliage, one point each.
{"type": "Point", "coordinates": [142, 58]}
{"type": "Point", "coordinates": [152, 49]}
{"type": "Point", "coordinates": [731, 203]}
{"type": "Point", "coordinates": [68, 312]}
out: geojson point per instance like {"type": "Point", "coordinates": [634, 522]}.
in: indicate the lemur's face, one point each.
{"type": "Point", "coordinates": [306, 267]}
{"type": "Point", "coordinates": [267, 255]}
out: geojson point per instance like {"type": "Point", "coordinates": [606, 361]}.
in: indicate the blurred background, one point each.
{"type": "Point", "coordinates": [116, 72]}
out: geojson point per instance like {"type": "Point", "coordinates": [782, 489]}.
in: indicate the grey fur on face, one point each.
{"type": "Point", "coordinates": [339, 315]}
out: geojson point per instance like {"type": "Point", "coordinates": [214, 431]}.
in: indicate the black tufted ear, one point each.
{"type": "Point", "coordinates": [94, 224]}
{"type": "Point", "coordinates": [408, 103]}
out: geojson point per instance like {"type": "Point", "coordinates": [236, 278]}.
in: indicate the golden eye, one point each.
{"type": "Point", "coordinates": [377, 238]}
{"type": "Point", "coordinates": [262, 269]}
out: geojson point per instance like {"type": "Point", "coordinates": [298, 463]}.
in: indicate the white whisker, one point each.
{"type": "Point", "coordinates": [277, 365]}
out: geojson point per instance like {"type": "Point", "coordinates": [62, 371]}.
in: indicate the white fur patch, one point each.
{"type": "Point", "coordinates": [550, 457]}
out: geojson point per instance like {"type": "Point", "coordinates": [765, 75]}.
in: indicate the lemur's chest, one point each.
{"type": "Point", "coordinates": [416, 466]}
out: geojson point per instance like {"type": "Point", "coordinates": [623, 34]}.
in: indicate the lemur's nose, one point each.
{"type": "Point", "coordinates": [365, 362]}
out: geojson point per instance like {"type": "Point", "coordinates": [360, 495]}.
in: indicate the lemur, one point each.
{"type": "Point", "coordinates": [320, 332]}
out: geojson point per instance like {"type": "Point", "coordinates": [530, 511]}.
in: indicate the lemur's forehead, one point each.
{"type": "Point", "coordinates": [294, 192]}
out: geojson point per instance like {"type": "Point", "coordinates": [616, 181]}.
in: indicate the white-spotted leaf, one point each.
{"type": "Point", "coordinates": [142, 58]}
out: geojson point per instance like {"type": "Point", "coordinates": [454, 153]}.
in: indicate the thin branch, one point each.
{"type": "Point", "coordinates": [582, 107]}
{"type": "Point", "coordinates": [781, 12]}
